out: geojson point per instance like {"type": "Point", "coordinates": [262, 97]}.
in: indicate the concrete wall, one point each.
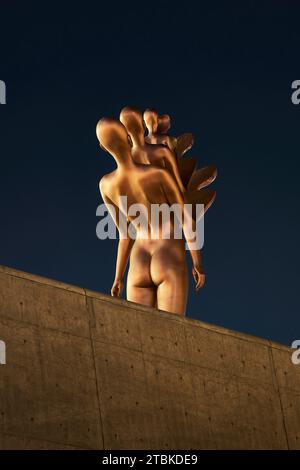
{"type": "Point", "coordinates": [91, 372]}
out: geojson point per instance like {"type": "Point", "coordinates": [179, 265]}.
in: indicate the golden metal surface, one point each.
{"type": "Point", "coordinates": [149, 171]}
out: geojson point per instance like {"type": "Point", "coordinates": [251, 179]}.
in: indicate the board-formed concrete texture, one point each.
{"type": "Point", "coordinates": [86, 371]}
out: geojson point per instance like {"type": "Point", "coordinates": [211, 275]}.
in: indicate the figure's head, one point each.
{"type": "Point", "coordinates": [132, 119]}
{"type": "Point", "coordinates": [113, 136]}
{"type": "Point", "coordinates": [164, 124]}
{"type": "Point", "coordinates": [151, 120]}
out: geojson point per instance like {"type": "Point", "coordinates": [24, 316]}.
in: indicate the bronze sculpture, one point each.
{"type": "Point", "coordinates": [151, 174]}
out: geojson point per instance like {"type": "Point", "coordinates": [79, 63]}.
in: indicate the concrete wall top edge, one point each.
{"type": "Point", "coordinates": [140, 308]}
{"type": "Point", "coordinates": [41, 279]}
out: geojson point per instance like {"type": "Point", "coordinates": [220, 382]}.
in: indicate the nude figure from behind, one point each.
{"type": "Point", "coordinates": [157, 274]}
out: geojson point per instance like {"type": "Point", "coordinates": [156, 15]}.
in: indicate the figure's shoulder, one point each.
{"type": "Point", "coordinates": [164, 151]}
{"type": "Point", "coordinates": [162, 148]}
{"type": "Point", "coordinates": [154, 171]}
{"type": "Point", "coordinates": [106, 181]}
{"type": "Point", "coordinates": [155, 150]}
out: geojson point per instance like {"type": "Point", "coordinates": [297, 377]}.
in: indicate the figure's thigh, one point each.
{"type": "Point", "coordinates": [170, 274]}
{"type": "Point", "coordinates": [172, 294]}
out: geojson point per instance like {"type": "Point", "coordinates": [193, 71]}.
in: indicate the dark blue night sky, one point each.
{"type": "Point", "coordinates": [223, 70]}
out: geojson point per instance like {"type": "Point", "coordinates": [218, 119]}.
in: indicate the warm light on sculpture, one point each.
{"type": "Point", "coordinates": [150, 172]}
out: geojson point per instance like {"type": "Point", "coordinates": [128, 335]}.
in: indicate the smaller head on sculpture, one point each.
{"type": "Point", "coordinates": [113, 137]}
{"type": "Point", "coordinates": [164, 124]}
{"type": "Point", "coordinates": [151, 120]}
{"type": "Point", "coordinates": [132, 119]}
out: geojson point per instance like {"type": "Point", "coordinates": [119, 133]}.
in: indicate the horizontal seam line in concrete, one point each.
{"type": "Point", "coordinates": [288, 389]}
{"type": "Point", "coordinates": [109, 341]}
{"type": "Point", "coordinates": [38, 325]}
{"type": "Point", "coordinates": [83, 377]}
{"type": "Point", "coordinates": [65, 332]}
{"type": "Point", "coordinates": [30, 437]}
{"type": "Point", "coordinates": [183, 362]}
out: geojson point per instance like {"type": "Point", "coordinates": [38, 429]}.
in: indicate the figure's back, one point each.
{"type": "Point", "coordinates": [162, 139]}
{"type": "Point", "coordinates": [151, 154]}
{"type": "Point", "coordinates": [142, 184]}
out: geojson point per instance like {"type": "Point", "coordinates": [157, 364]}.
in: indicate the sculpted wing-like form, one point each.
{"type": "Point", "coordinates": [203, 177]}
{"type": "Point", "coordinates": [184, 144]}
{"type": "Point", "coordinates": [193, 179]}
{"type": "Point", "coordinates": [202, 196]}
{"type": "Point", "coordinates": [186, 169]}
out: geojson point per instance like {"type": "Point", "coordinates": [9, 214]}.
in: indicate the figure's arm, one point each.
{"type": "Point", "coordinates": [124, 249]}
{"type": "Point", "coordinates": [124, 246]}
{"type": "Point", "coordinates": [171, 165]}
{"type": "Point", "coordinates": [174, 196]}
